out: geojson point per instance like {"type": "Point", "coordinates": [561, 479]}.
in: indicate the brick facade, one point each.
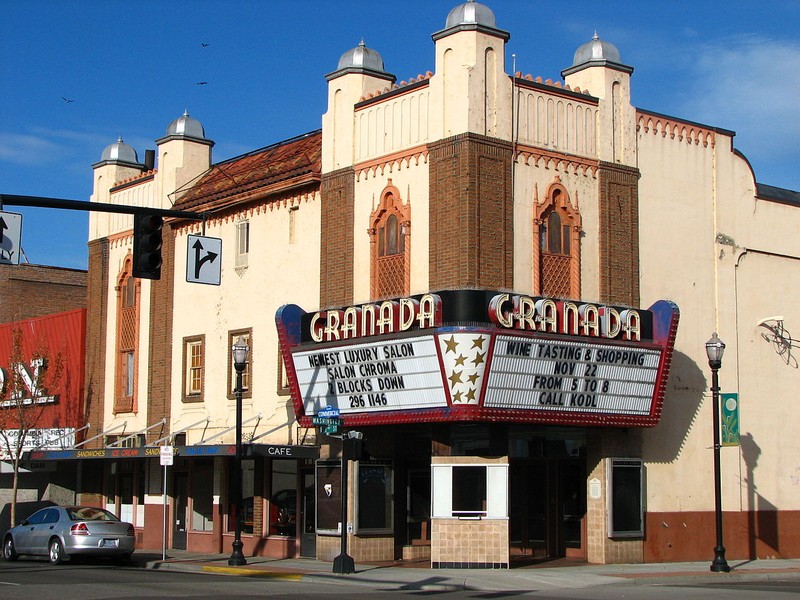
{"type": "Point", "coordinates": [471, 213]}
{"type": "Point", "coordinates": [618, 199]}
{"type": "Point", "coordinates": [336, 251]}
{"type": "Point", "coordinates": [159, 377]}
{"type": "Point", "coordinates": [30, 291]}
{"type": "Point", "coordinates": [96, 324]}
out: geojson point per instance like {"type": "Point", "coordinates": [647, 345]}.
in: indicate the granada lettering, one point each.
{"type": "Point", "coordinates": [390, 316]}
{"type": "Point", "coordinates": [564, 317]}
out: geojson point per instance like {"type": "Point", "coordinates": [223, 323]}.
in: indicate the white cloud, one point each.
{"type": "Point", "coordinates": [26, 149]}
{"type": "Point", "coordinates": [751, 85]}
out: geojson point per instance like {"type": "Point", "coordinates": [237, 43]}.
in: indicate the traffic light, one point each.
{"type": "Point", "coordinates": [147, 245]}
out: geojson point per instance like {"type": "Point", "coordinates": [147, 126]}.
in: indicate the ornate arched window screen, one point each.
{"type": "Point", "coordinates": [556, 254]}
{"type": "Point", "coordinates": [390, 236]}
{"type": "Point", "coordinates": [128, 288]}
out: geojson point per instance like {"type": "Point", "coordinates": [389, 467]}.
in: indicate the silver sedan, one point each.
{"type": "Point", "coordinates": [61, 532]}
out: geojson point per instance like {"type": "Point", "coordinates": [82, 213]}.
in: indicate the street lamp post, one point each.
{"type": "Point", "coordinates": [715, 347]}
{"type": "Point", "coordinates": [240, 350]}
{"type": "Point", "coordinates": [344, 563]}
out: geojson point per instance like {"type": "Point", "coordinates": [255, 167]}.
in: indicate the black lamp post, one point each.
{"type": "Point", "coordinates": [240, 351]}
{"type": "Point", "coordinates": [715, 347]}
{"type": "Point", "coordinates": [344, 563]}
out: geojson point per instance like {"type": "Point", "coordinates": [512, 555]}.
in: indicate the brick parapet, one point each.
{"type": "Point", "coordinates": [31, 291]}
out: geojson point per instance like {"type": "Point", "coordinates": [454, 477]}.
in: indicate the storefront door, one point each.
{"type": "Point", "coordinates": [547, 506]}
{"type": "Point", "coordinates": [180, 504]}
{"type": "Point", "coordinates": [308, 513]}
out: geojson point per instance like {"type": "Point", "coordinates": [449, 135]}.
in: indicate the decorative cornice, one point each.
{"type": "Point", "coordinates": [556, 161]}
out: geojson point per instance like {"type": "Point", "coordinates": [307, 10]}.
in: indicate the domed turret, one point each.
{"type": "Point", "coordinates": [596, 50]}
{"type": "Point", "coordinates": [186, 126]}
{"type": "Point", "coordinates": [470, 12]}
{"type": "Point", "coordinates": [361, 57]}
{"type": "Point", "coordinates": [363, 60]}
{"type": "Point", "coordinates": [471, 16]}
{"type": "Point", "coordinates": [597, 53]}
{"type": "Point", "coordinates": [120, 152]}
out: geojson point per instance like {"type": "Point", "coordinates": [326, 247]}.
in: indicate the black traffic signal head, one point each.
{"type": "Point", "coordinates": [147, 245]}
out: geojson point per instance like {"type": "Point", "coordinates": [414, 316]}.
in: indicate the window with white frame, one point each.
{"type": "Point", "coordinates": [194, 362]}
{"type": "Point", "coordinates": [470, 491]}
{"type": "Point", "coordinates": [242, 243]}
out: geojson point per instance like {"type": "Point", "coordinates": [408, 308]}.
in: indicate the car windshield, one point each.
{"type": "Point", "coordinates": [90, 513]}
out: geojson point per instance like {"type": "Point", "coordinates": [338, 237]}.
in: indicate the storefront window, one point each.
{"type": "Point", "coordinates": [283, 501]}
{"type": "Point", "coordinates": [374, 509]}
{"type": "Point", "coordinates": [203, 495]}
{"type": "Point", "coordinates": [329, 497]}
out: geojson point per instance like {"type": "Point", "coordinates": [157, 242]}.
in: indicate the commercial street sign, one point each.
{"type": "Point", "coordinates": [203, 260]}
{"type": "Point", "coordinates": [10, 236]}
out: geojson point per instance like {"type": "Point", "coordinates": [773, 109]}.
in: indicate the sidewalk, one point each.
{"type": "Point", "coordinates": [401, 576]}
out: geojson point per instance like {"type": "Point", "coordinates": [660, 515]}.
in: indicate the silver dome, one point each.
{"type": "Point", "coordinates": [470, 12]}
{"type": "Point", "coordinates": [119, 151]}
{"type": "Point", "coordinates": [186, 126]}
{"type": "Point", "coordinates": [361, 57]}
{"type": "Point", "coordinates": [596, 50]}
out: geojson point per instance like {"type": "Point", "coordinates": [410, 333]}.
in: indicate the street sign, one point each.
{"type": "Point", "coordinates": [329, 411]}
{"type": "Point", "coordinates": [10, 237]}
{"type": "Point", "coordinates": [166, 456]}
{"type": "Point", "coordinates": [203, 260]}
{"type": "Point", "coordinates": [328, 420]}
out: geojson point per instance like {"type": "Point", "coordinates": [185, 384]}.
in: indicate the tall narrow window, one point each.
{"type": "Point", "coordinates": [390, 229]}
{"type": "Point", "coordinates": [242, 243]}
{"type": "Point", "coordinates": [557, 226]}
{"type": "Point", "coordinates": [193, 367]}
{"type": "Point", "coordinates": [127, 339]}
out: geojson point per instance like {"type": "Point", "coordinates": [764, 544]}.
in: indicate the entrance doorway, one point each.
{"type": "Point", "coordinates": [180, 486]}
{"type": "Point", "coordinates": [308, 514]}
{"type": "Point", "coordinates": [547, 508]}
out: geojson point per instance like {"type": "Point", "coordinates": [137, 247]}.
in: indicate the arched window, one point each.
{"type": "Point", "coordinates": [127, 339]}
{"type": "Point", "coordinates": [557, 227]}
{"type": "Point", "coordinates": [390, 230]}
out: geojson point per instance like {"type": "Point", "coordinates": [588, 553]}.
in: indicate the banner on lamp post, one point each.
{"type": "Point", "coordinates": [730, 419]}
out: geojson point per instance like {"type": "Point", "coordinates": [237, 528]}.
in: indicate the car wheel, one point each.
{"type": "Point", "coordinates": [56, 552]}
{"type": "Point", "coordinates": [9, 552]}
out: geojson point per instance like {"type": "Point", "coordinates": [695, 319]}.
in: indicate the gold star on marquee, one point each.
{"type": "Point", "coordinates": [464, 361]}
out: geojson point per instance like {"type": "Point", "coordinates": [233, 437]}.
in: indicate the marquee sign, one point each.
{"type": "Point", "coordinates": [479, 355]}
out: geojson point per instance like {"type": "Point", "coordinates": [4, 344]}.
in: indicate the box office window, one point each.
{"type": "Point", "coordinates": [624, 498]}
{"type": "Point", "coordinates": [470, 491]}
{"type": "Point", "coordinates": [375, 487]}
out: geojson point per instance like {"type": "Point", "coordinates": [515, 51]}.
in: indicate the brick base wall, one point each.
{"type": "Point", "coordinates": [468, 544]}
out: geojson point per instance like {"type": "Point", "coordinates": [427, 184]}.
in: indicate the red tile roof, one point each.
{"type": "Point", "coordinates": [256, 175]}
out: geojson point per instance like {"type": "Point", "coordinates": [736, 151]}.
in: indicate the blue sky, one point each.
{"type": "Point", "coordinates": [130, 68]}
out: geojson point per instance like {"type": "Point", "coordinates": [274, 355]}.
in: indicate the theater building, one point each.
{"type": "Point", "coordinates": [505, 284]}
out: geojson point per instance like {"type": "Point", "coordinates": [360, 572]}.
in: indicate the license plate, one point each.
{"type": "Point", "coordinates": [109, 543]}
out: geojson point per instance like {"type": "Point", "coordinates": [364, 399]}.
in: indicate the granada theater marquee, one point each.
{"type": "Point", "coordinates": [478, 355]}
